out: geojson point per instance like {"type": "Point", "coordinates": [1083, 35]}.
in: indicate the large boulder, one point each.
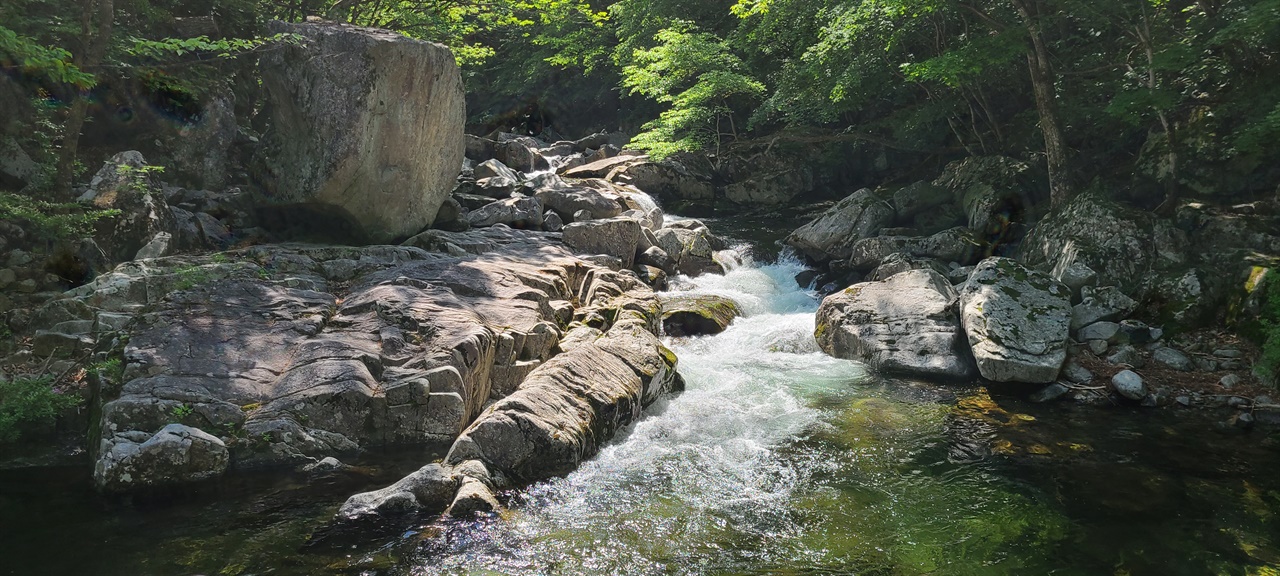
{"type": "Point", "coordinates": [906, 324]}
{"type": "Point", "coordinates": [566, 408]}
{"type": "Point", "coordinates": [176, 454]}
{"type": "Point", "coordinates": [522, 212]}
{"type": "Point", "coordinates": [128, 184]}
{"type": "Point", "coordinates": [1016, 320]}
{"type": "Point", "coordinates": [366, 124]}
{"type": "Point", "coordinates": [831, 235]}
{"type": "Point", "coordinates": [957, 245]}
{"type": "Point", "coordinates": [256, 347]}
{"type": "Point", "coordinates": [1121, 245]}
{"type": "Point", "coordinates": [672, 179]}
{"type": "Point", "coordinates": [618, 237]}
{"type": "Point", "coordinates": [569, 200]}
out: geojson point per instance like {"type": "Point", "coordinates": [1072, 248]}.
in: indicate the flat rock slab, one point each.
{"type": "Point", "coordinates": [291, 353]}
{"type": "Point", "coordinates": [1016, 321]}
{"type": "Point", "coordinates": [906, 324]}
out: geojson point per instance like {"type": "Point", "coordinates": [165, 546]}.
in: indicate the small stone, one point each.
{"type": "Point", "coordinates": [1157, 333]}
{"type": "Point", "coordinates": [1233, 365]}
{"type": "Point", "coordinates": [1229, 353]}
{"type": "Point", "coordinates": [1150, 401]}
{"type": "Point", "coordinates": [1098, 347]}
{"type": "Point", "coordinates": [1076, 373]}
{"type": "Point", "coordinates": [1135, 332]}
{"type": "Point", "coordinates": [1205, 364]}
{"type": "Point", "coordinates": [7, 277]}
{"type": "Point", "coordinates": [1127, 355]}
{"type": "Point", "coordinates": [551, 222]}
{"type": "Point", "coordinates": [1183, 400]}
{"type": "Point", "coordinates": [1129, 384]}
{"type": "Point", "coordinates": [1050, 393]}
{"type": "Point", "coordinates": [328, 464]}
{"type": "Point", "coordinates": [1173, 359]}
{"type": "Point", "coordinates": [582, 216]}
{"type": "Point", "coordinates": [1238, 402]}
{"type": "Point", "coordinates": [1229, 381]}
{"type": "Point", "coordinates": [1242, 421]}
{"type": "Point", "coordinates": [27, 286]}
{"type": "Point", "coordinates": [1098, 331]}
{"type": "Point", "coordinates": [1263, 399]}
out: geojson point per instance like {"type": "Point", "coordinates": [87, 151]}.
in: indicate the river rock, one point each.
{"type": "Point", "coordinates": [1129, 384]}
{"type": "Point", "coordinates": [1016, 321]}
{"type": "Point", "coordinates": [830, 235]}
{"type": "Point", "coordinates": [1100, 304]}
{"type": "Point", "coordinates": [367, 126]}
{"type": "Point", "coordinates": [523, 213]}
{"type": "Point", "coordinates": [1106, 331]}
{"type": "Point", "coordinates": [1173, 359]}
{"type": "Point", "coordinates": [658, 258]}
{"type": "Point", "coordinates": [492, 168]}
{"type": "Point", "coordinates": [419, 342]}
{"type": "Point", "coordinates": [568, 201]}
{"type": "Point", "coordinates": [695, 315]}
{"type": "Point", "coordinates": [898, 262]}
{"type": "Point", "coordinates": [431, 487]}
{"type": "Point", "coordinates": [496, 186]}
{"type": "Point", "coordinates": [953, 245]}
{"type": "Point", "coordinates": [906, 324]}
{"type": "Point", "coordinates": [673, 179]}
{"type": "Point", "coordinates": [567, 407]}
{"type": "Point", "coordinates": [124, 183]}
{"type": "Point", "coordinates": [616, 237]}
{"type": "Point", "coordinates": [175, 454]}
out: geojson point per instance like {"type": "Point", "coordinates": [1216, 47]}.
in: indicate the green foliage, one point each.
{"type": "Point", "coordinates": [137, 179]}
{"type": "Point", "coordinates": [30, 57]}
{"type": "Point", "coordinates": [27, 403]}
{"type": "Point", "coordinates": [182, 411]}
{"type": "Point", "coordinates": [111, 370]}
{"type": "Point", "coordinates": [1268, 366]}
{"type": "Point", "coordinates": [699, 77]}
{"type": "Point", "coordinates": [51, 221]}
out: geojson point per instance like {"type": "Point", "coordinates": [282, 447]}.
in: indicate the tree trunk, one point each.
{"type": "Point", "coordinates": [1042, 85]}
{"type": "Point", "coordinates": [93, 50]}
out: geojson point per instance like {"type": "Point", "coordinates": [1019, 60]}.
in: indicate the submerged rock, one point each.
{"type": "Point", "coordinates": [906, 324]}
{"type": "Point", "coordinates": [1016, 321]}
{"type": "Point", "coordinates": [176, 454]}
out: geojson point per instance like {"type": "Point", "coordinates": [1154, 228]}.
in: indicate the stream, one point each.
{"type": "Point", "coordinates": [776, 460]}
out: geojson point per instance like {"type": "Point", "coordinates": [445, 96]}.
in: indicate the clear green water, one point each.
{"type": "Point", "coordinates": [776, 460]}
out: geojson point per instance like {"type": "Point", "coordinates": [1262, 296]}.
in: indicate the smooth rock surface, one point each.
{"type": "Point", "coordinates": [906, 324]}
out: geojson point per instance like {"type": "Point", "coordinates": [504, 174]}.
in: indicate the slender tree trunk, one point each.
{"type": "Point", "coordinates": [93, 50]}
{"type": "Point", "coordinates": [1042, 85]}
{"type": "Point", "coordinates": [1153, 82]}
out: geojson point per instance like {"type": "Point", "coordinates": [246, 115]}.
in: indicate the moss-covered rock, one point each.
{"type": "Point", "coordinates": [695, 315]}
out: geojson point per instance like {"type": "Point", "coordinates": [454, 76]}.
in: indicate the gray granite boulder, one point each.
{"type": "Point", "coordinates": [367, 126]}
{"type": "Point", "coordinates": [906, 324]}
{"type": "Point", "coordinates": [1017, 321]}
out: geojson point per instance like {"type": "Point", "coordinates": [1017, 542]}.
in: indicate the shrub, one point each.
{"type": "Point", "coordinates": [27, 403]}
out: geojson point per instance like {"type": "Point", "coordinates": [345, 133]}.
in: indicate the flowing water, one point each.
{"type": "Point", "coordinates": [776, 460]}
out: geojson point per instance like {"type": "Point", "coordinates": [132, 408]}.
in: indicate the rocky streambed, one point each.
{"type": "Point", "coordinates": [776, 457]}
